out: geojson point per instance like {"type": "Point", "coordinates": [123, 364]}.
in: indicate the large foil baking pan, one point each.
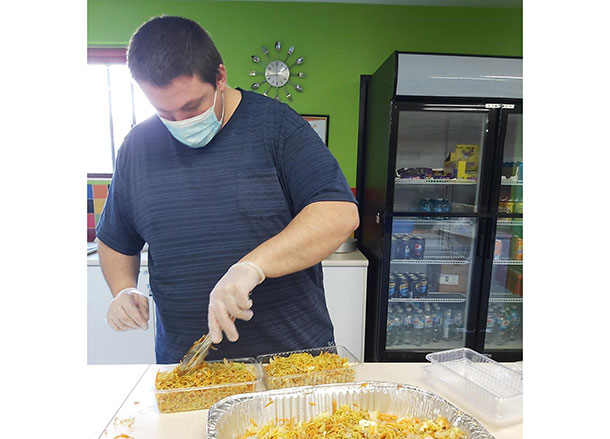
{"type": "Point", "coordinates": [230, 417]}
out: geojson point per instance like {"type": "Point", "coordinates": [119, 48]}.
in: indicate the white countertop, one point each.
{"type": "Point", "coordinates": [140, 409]}
{"type": "Point", "coordinates": [353, 259]}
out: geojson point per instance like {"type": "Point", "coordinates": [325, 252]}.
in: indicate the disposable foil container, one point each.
{"type": "Point", "coordinates": [230, 417]}
{"type": "Point", "coordinates": [341, 375]}
{"type": "Point", "coordinates": [199, 398]}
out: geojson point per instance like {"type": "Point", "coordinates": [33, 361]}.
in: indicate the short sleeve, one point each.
{"type": "Point", "coordinates": [309, 170]}
{"type": "Point", "coordinates": [116, 228]}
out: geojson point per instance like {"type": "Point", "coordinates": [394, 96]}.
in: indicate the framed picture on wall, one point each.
{"type": "Point", "coordinates": [319, 123]}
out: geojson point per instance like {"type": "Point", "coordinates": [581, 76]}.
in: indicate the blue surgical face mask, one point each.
{"type": "Point", "coordinates": [197, 131]}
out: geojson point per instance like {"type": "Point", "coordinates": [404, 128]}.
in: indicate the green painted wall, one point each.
{"type": "Point", "coordinates": [338, 41]}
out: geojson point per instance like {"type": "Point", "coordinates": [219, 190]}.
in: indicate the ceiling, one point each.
{"type": "Point", "coordinates": [448, 3]}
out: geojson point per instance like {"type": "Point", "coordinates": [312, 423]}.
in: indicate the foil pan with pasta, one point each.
{"type": "Point", "coordinates": [231, 417]}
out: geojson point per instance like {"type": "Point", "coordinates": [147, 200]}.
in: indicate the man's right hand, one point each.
{"type": "Point", "coordinates": [128, 310]}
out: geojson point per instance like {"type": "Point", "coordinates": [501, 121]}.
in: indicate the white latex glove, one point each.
{"type": "Point", "coordinates": [230, 299]}
{"type": "Point", "coordinates": [128, 310]}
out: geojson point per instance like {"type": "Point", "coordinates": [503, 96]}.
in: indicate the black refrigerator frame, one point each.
{"type": "Point", "coordinates": [375, 193]}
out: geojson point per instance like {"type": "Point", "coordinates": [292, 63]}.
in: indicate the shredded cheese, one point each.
{"type": "Point", "coordinates": [348, 423]}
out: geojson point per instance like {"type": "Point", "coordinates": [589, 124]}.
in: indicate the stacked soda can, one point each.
{"type": "Point", "coordinates": [407, 246]}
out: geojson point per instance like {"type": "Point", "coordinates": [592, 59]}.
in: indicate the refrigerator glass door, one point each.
{"type": "Point", "coordinates": [438, 160]}
{"type": "Point", "coordinates": [429, 283]}
{"type": "Point", "coordinates": [511, 183]}
{"type": "Point", "coordinates": [504, 329]}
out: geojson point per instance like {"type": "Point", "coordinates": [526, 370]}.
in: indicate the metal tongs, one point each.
{"type": "Point", "coordinates": [195, 355]}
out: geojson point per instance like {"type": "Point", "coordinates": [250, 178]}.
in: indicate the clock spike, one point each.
{"type": "Point", "coordinates": [278, 46]}
{"type": "Point", "coordinates": [265, 50]}
{"type": "Point", "coordinates": [290, 52]}
{"type": "Point", "coordinates": [255, 85]}
{"type": "Point", "coordinates": [296, 86]}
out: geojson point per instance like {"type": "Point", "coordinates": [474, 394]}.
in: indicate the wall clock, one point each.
{"type": "Point", "coordinates": [278, 74]}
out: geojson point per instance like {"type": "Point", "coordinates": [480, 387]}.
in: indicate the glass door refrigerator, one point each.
{"type": "Point", "coordinates": [434, 201]}
{"type": "Point", "coordinates": [502, 309]}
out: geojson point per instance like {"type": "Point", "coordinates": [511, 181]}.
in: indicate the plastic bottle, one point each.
{"type": "Point", "coordinates": [418, 328]}
{"type": "Point", "coordinates": [458, 324]}
{"type": "Point", "coordinates": [400, 330]}
{"type": "Point", "coordinates": [428, 324]}
{"type": "Point", "coordinates": [491, 324]}
{"type": "Point", "coordinates": [447, 323]}
{"type": "Point", "coordinates": [514, 319]}
{"type": "Point", "coordinates": [437, 318]}
{"type": "Point", "coordinates": [408, 325]}
{"type": "Point", "coordinates": [502, 328]}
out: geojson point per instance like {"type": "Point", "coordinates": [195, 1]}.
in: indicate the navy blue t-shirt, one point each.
{"type": "Point", "coordinates": [201, 210]}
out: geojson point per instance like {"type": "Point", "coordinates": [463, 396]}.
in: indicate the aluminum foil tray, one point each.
{"type": "Point", "coordinates": [230, 417]}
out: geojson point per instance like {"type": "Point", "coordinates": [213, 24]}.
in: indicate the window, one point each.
{"type": "Point", "coordinates": [115, 103]}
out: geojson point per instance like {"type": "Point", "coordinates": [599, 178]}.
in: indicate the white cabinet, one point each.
{"type": "Point", "coordinates": [345, 288]}
{"type": "Point", "coordinates": [344, 282]}
{"type": "Point", "coordinates": [106, 346]}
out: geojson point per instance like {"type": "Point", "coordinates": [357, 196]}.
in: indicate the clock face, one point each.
{"type": "Point", "coordinates": [277, 73]}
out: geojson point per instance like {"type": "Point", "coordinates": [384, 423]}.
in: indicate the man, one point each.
{"type": "Point", "coordinates": [234, 193]}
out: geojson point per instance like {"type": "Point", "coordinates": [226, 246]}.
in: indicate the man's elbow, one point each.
{"type": "Point", "coordinates": [351, 219]}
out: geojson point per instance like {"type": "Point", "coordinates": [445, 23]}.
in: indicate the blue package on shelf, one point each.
{"type": "Point", "coordinates": [402, 226]}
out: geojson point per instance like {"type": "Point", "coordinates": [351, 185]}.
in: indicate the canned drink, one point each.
{"type": "Point", "coordinates": [502, 207]}
{"type": "Point", "coordinates": [406, 248]}
{"type": "Point", "coordinates": [392, 285]}
{"type": "Point", "coordinates": [417, 246]}
{"type": "Point", "coordinates": [421, 285]}
{"type": "Point", "coordinates": [509, 206]}
{"type": "Point", "coordinates": [517, 248]}
{"type": "Point", "coordinates": [404, 289]}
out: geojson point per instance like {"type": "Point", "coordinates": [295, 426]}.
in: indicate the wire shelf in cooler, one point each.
{"type": "Point", "coordinates": [508, 222]}
{"type": "Point", "coordinates": [432, 297]}
{"type": "Point", "coordinates": [409, 181]}
{"type": "Point", "coordinates": [432, 260]}
{"type": "Point", "coordinates": [506, 299]}
{"type": "Point", "coordinates": [436, 221]}
{"type": "Point", "coordinates": [508, 262]}
{"type": "Point", "coordinates": [507, 182]}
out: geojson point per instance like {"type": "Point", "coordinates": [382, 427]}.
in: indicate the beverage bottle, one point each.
{"type": "Point", "coordinates": [408, 325]}
{"type": "Point", "coordinates": [437, 318]}
{"type": "Point", "coordinates": [491, 324]}
{"type": "Point", "coordinates": [428, 324]}
{"type": "Point", "coordinates": [418, 328]}
{"type": "Point", "coordinates": [390, 330]}
{"type": "Point", "coordinates": [400, 330]}
{"type": "Point", "coordinates": [458, 324]}
{"type": "Point", "coordinates": [502, 328]}
{"type": "Point", "coordinates": [514, 319]}
{"type": "Point", "coordinates": [447, 323]}
{"type": "Point", "coordinates": [424, 205]}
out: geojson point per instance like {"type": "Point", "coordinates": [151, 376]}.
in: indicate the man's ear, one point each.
{"type": "Point", "coordinates": [221, 77]}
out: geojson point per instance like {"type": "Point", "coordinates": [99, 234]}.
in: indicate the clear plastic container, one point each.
{"type": "Point", "coordinates": [199, 398]}
{"type": "Point", "coordinates": [341, 375]}
{"type": "Point", "coordinates": [493, 391]}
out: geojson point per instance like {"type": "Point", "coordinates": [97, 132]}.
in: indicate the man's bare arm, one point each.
{"type": "Point", "coordinates": [120, 271]}
{"type": "Point", "coordinates": [316, 232]}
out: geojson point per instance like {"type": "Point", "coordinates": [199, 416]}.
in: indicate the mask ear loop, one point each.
{"type": "Point", "coordinates": [222, 116]}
